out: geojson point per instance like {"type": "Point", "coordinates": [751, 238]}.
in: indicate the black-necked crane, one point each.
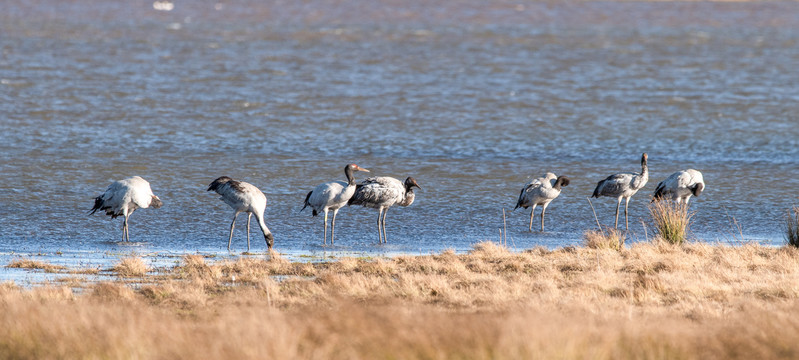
{"type": "Point", "coordinates": [381, 193]}
{"type": "Point", "coordinates": [541, 191]}
{"type": "Point", "coordinates": [680, 186]}
{"type": "Point", "coordinates": [243, 197]}
{"type": "Point", "coordinates": [123, 197]}
{"type": "Point", "coordinates": [331, 196]}
{"type": "Point", "coordinates": [623, 186]}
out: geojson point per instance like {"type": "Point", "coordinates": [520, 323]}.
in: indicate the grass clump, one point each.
{"type": "Point", "coordinates": [131, 267]}
{"type": "Point", "coordinates": [792, 227]}
{"type": "Point", "coordinates": [604, 239]}
{"type": "Point", "coordinates": [671, 221]}
{"type": "Point", "coordinates": [34, 265]}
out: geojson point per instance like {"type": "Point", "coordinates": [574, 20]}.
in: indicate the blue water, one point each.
{"type": "Point", "coordinates": [471, 98]}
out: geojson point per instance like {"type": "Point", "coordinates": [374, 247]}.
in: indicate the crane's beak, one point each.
{"type": "Point", "coordinates": [361, 169]}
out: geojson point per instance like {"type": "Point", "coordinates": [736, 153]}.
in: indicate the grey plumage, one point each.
{"type": "Point", "coordinates": [331, 196]}
{"type": "Point", "coordinates": [680, 186]}
{"type": "Point", "coordinates": [123, 197]}
{"type": "Point", "coordinates": [541, 191]}
{"type": "Point", "coordinates": [243, 197]}
{"type": "Point", "coordinates": [623, 186]}
{"type": "Point", "coordinates": [382, 193]}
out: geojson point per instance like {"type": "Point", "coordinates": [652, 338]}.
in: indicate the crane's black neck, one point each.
{"type": "Point", "coordinates": [350, 179]}
{"type": "Point", "coordinates": [644, 168]}
{"type": "Point", "coordinates": [697, 189]}
{"type": "Point", "coordinates": [560, 182]}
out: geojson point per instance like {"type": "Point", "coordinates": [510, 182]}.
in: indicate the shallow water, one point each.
{"type": "Point", "coordinates": [471, 98]}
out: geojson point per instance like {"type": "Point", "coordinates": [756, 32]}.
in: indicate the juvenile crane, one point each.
{"type": "Point", "coordinates": [243, 197]}
{"type": "Point", "coordinates": [381, 193]}
{"type": "Point", "coordinates": [123, 197]}
{"type": "Point", "coordinates": [680, 186]}
{"type": "Point", "coordinates": [541, 191]}
{"type": "Point", "coordinates": [623, 185]}
{"type": "Point", "coordinates": [332, 196]}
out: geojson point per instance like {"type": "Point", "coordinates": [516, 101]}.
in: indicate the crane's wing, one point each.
{"type": "Point", "coordinates": [613, 185]}
{"type": "Point", "coordinates": [377, 191]}
{"type": "Point", "coordinates": [524, 195]}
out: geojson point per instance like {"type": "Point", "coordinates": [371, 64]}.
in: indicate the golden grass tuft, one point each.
{"type": "Point", "coordinates": [671, 221]}
{"type": "Point", "coordinates": [792, 227]}
{"type": "Point", "coordinates": [33, 264]}
{"type": "Point", "coordinates": [609, 238]}
{"type": "Point", "coordinates": [131, 267]}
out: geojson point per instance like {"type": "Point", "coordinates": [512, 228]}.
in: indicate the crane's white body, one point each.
{"type": "Point", "coordinates": [123, 197]}
{"type": "Point", "coordinates": [680, 186]}
{"type": "Point", "coordinates": [243, 197]}
{"type": "Point", "coordinates": [383, 192]}
{"type": "Point", "coordinates": [623, 186]}
{"type": "Point", "coordinates": [539, 192]}
{"type": "Point", "coordinates": [332, 196]}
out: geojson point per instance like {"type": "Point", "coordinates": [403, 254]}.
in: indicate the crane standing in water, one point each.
{"type": "Point", "coordinates": [332, 195]}
{"type": "Point", "coordinates": [623, 186]}
{"type": "Point", "coordinates": [541, 191]}
{"type": "Point", "coordinates": [381, 193]}
{"type": "Point", "coordinates": [243, 197]}
{"type": "Point", "coordinates": [123, 197]}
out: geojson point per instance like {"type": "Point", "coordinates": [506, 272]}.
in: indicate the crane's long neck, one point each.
{"type": "Point", "coordinates": [644, 170]}
{"type": "Point", "coordinates": [267, 234]}
{"type": "Point", "coordinates": [409, 197]}
{"type": "Point", "coordinates": [350, 179]}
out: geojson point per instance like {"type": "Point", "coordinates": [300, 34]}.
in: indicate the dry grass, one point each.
{"type": "Point", "coordinates": [646, 301]}
{"type": "Point", "coordinates": [792, 227]}
{"type": "Point", "coordinates": [131, 267]}
{"type": "Point", "coordinates": [33, 264]}
{"type": "Point", "coordinates": [609, 238]}
{"type": "Point", "coordinates": [671, 221]}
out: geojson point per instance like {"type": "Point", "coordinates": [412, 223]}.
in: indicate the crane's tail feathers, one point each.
{"type": "Point", "coordinates": [659, 192]}
{"type": "Point", "coordinates": [98, 203]}
{"type": "Point", "coordinates": [521, 199]}
{"type": "Point", "coordinates": [218, 183]}
{"type": "Point", "coordinates": [307, 203]}
{"type": "Point", "coordinates": [596, 190]}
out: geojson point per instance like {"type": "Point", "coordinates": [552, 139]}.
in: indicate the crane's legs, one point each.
{"type": "Point", "coordinates": [385, 237]}
{"type": "Point", "coordinates": [379, 233]}
{"type": "Point", "coordinates": [125, 233]}
{"type": "Point", "coordinates": [616, 225]}
{"type": "Point", "coordinates": [232, 225]}
{"type": "Point", "coordinates": [532, 215]}
{"type": "Point", "coordinates": [333, 227]}
{"type": "Point", "coordinates": [324, 240]}
{"type": "Point", "coordinates": [626, 224]}
{"type": "Point", "coordinates": [249, 216]}
{"type": "Point", "coordinates": [543, 212]}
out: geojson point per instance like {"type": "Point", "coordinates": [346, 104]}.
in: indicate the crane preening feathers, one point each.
{"type": "Point", "coordinates": [332, 195]}
{"type": "Point", "coordinates": [243, 197]}
{"type": "Point", "coordinates": [383, 192]}
{"type": "Point", "coordinates": [123, 197]}
{"type": "Point", "coordinates": [680, 186]}
{"type": "Point", "coordinates": [541, 191]}
{"type": "Point", "coordinates": [623, 186]}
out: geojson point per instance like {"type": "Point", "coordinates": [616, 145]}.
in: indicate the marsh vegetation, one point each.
{"type": "Point", "coordinates": [648, 300]}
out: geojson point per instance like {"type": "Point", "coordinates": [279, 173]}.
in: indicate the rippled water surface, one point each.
{"type": "Point", "coordinates": [472, 98]}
